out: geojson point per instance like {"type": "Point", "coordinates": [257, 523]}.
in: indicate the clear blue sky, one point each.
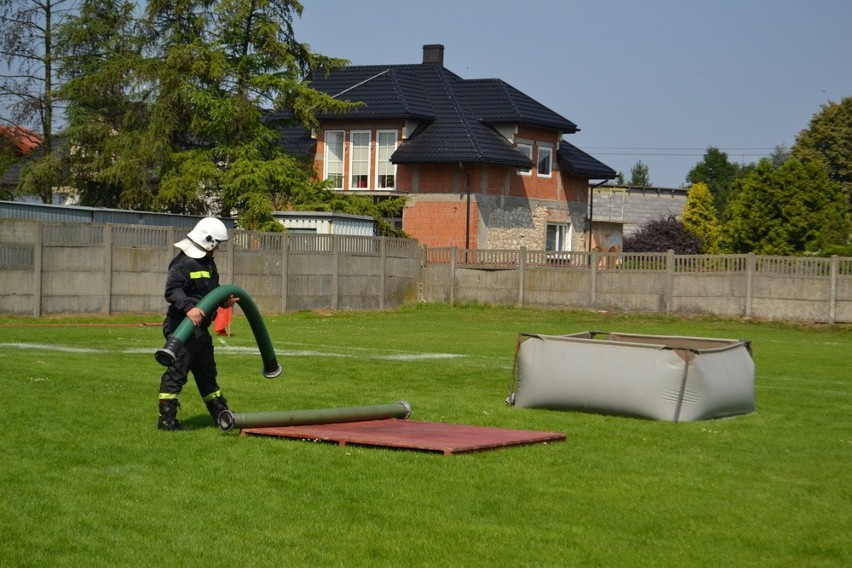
{"type": "Point", "coordinates": [656, 80]}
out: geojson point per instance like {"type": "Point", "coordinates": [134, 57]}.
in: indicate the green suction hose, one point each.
{"type": "Point", "coordinates": [166, 355]}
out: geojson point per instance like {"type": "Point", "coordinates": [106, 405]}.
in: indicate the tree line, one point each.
{"type": "Point", "coordinates": [176, 106]}
{"type": "Point", "coordinates": [179, 106]}
{"type": "Point", "coordinates": [797, 201]}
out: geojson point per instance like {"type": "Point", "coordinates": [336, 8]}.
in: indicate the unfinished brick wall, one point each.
{"type": "Point", "coordinates": [441, 223]}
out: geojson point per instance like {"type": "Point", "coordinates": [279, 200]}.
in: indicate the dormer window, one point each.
{"type": "Point", "coordinates": [544, 166]}
{"type": "Point", "coordinates": [527, 149]}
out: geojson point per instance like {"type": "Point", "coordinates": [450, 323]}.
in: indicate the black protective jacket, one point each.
{"type": "Point", "coordinates": [188, 281]}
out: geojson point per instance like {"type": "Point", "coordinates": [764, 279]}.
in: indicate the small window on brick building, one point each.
{"type": "Point", "coordinates": [334, 158]}
{"type": "Point", "coordinates": [558, 236]}
{"type": "Point", "coordinates": [385, 170]}
{"type": "Point", "coordinates": [544, 164]}
{"type": "Point", "coordinates": [526, 149]}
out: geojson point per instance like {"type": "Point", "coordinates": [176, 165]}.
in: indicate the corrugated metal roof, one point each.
{"type": "Point", "coordinates": [80, 214]}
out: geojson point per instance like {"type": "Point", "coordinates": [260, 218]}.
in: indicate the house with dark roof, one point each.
{"type": "Point", "coordinates": [482, 164]}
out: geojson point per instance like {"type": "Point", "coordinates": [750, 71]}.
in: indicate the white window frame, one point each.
{"type": "Point", "coordinates": [528, 150]}
{"type": "Point", "coordinates": [548, 156]}
{"type": "Point", "coordinates": [560, 238]}
{"type": "Point", "coordinates": [333, 164]}
{"type": "Point", "coordinates": [384, 167]}
{"type": "Point", "coordinates": [360, 158]}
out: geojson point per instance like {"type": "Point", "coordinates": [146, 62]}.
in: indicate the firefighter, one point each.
{"type": "Point", "coordinates": [192, 274]}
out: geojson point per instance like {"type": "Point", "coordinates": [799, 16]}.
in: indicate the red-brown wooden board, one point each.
{"type": "Point", "coordinates": [412, 435]}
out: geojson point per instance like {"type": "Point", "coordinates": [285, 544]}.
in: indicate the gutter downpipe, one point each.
{"type": "Point", "coordinates": [467, 213]}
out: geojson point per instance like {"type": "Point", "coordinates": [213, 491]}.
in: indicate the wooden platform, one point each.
{"type": "Point", "coordinates": [447, 439]}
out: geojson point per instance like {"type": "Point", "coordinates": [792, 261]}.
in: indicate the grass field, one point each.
{"type": "Point", "coordinates": [87, 480]}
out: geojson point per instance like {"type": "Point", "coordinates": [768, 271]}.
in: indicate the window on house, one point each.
{"type": "Point", "coordinates": [334, 158]}
{"type": "Point", "coordinates": [385, 170]}
{"type": "Point", "coordinates": [526, 149]}
{"type": "Point", "coordinates": [360, 156]}
{"type": "Point", "coordinates": [545, 157]}
{"type": "Point", "coordinates": [558, 236]}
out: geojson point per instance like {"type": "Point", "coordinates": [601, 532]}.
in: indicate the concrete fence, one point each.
{"type": "Point", "coordinates": [58, 268]}
{"type": "Point", "coordinates": [766, 287]}
{"type": "Point", "coordinates": [73, 268]}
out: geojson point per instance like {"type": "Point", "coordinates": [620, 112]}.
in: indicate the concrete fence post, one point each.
{"type": "Point", "coordinates": [38, 267]}
{"type": "Point", "coordinates": [335, 271]}
{"type": "Point", "coordinates": [593, 278]}
{"type": "Point", "coordinates": [106, 308]}
{"type": "Point", "coordinates": [229, 263]}
{"type": "Point", "coordinates": [522, 274]}
{"type": "Point", "coordinates": [453, 254]}
{"type": "Point", "coordinates": [669, 291]}
{"type": "Point", "coordinates": [751, 262]}
{"type": "Point", "coordinates": [421, 275]}
{"type": "Point", "coordinates": [285, 270]}
{"type": "Point", "coordinates": [384, 271]}
{"type": "Point", "coordinates": [832, 296]}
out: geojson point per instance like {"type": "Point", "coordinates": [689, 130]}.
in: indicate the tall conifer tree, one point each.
{"type": "Point", "coordinates": [699, 218]}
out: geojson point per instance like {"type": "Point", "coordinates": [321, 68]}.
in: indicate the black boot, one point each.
{"type": "Point", "coordinates": [216, 406]}
{"type": "Point", "coordinates": [168, 415]}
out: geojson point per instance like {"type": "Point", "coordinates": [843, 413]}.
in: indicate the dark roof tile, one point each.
{"type": "Point", "coordinates": [384, 92]}
{"type": "Point", "coordinates": [579, 163]}
{"type": "Point", "coordinates": [457, 117]}
{"type": "Point", "coordinates": [496, 102]}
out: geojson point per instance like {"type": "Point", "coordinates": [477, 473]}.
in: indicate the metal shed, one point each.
{"type": "Point", "coordinates": [99, 215]}
{"type": "Point", "coordinates": [326, 223]}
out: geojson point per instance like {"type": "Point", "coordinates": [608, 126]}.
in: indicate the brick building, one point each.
{"type": "Point", "coordinates": [482, 165]}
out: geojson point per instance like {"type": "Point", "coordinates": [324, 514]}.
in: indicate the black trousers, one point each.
{"type": "Point", "coordinates": [196, 357]}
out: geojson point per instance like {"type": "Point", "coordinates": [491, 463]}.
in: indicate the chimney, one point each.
{"type": "Point", "coordinates": [433, 53]}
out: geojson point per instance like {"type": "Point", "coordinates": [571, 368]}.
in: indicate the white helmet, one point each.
{"type": "Point", "coordinates": [204, 237]}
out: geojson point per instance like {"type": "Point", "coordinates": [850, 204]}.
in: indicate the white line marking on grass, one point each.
{"type": "Point", "coordinates": [246, 351]}
{"type": "Point", "coordinates": [45, 347]}
{"type": "Point", "coordinates": [418, 356]}
{"type": "Point", "coordinates": [361, 355]}
{"type": "Point", "coordinates": [811, 382]}
{"type": "Point", "coordinates": [392, 355]}
{"type": "Point", "coordinates": [804, 389]}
